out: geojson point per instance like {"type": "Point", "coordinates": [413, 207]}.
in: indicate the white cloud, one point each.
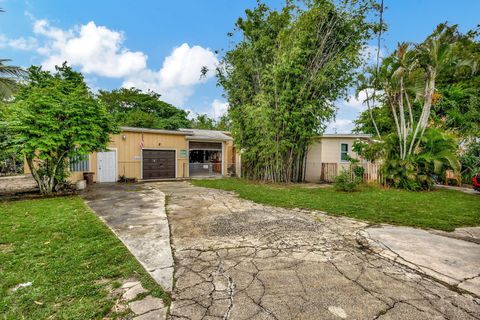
{"type": "Point", "coordinates": [359, 103]}
{"type": "Point", "coordinates": [183, 67]}
{"type": "Point", "coordinates": [95, 49]}
{"type": "Point", "coordinates": [100, 51]}
{"type": "Point", "coordinates": [340, 126]}
{"type": "Point", "coordinates": [180, 73]}
{"type": "Point", "coordinates": [21, 43]}
{"type": "Point", "coordinates": [219, 108]}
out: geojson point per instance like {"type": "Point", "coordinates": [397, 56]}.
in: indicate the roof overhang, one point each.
{"type": "Point", "coordinates": [345, 135]}
{"type": "Point", "coordinates": [206, 139]}
{"type": "Point", "coordinates": [160, 131]}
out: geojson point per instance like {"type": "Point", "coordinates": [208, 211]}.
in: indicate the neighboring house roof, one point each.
{"type": "Point", "coordinates": [346, 135]}
{"type": "Point", "coordinates": [207, 135]}
{"type": "Point", "coordinates": [162, 131]}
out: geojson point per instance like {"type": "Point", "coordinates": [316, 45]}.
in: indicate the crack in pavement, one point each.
{"type": "Point", "coordinates": [235, 259]}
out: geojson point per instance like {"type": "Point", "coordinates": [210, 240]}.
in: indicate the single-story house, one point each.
{"type": "Point", "coordinates": [150, 154]}
{"type": "Point", "coordinates": [328, 155]}
{"type": "Point", "coordinates": [155, 154]}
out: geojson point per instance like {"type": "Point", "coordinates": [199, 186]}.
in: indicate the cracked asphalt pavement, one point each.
{"type": "Point", "coordinates": [235, 259]}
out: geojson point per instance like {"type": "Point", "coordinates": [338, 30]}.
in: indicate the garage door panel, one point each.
{"type": "Point", "coordinates": [158, 164]}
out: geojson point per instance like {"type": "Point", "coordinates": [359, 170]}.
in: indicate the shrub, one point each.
{"type": "Point", "coordinates": [359, 171]}
{"type": "Point", "coordinates": [347, 181]}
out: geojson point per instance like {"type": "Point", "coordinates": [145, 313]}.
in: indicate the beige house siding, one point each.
{"type": "Point", "coordinates": [327, 149]}
{"type": "Point", "coordinates": [314, 162]}
{"type": "Point", "coordinates": [129, 153]}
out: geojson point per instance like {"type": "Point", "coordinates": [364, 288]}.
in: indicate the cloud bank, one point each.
{"type": "Point", "coordinates": [99, 51]}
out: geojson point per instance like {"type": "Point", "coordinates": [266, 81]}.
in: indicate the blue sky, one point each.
{"type": "Point", "coordinates": [161, 44]}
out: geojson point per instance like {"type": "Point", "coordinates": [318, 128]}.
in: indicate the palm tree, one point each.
{"type": "Point", "coordinates": [9, 76]}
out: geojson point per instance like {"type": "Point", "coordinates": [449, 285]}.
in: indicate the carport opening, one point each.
{"type": "Point", "coordinates": [205, 159]}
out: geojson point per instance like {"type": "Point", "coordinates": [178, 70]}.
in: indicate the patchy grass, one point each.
{"type": "Point", "coordinates": [72, 259]}
{"type": "Point", "coordinates": [439, 209]}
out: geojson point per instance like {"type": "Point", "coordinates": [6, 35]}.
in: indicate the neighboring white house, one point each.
{"type": "Point", "coordinates": [328, 155]}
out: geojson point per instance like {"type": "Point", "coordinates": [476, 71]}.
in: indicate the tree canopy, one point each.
{"type": "Point", "coordinates": [456, 106]}
{"type": "Point", "coordinates": [54, 118]}
{"type": "Point", "coordinates": [135, 108]}
{"type": "Point", "coordinates": [427, 97]}
{"type": "Point", "coordinates": [203, 121]}
{"type": "Point", "coordinates": [284, 73]}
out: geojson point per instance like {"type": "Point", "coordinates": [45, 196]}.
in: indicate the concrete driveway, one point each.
{"type": "Point", "coordinates": [235, 259]}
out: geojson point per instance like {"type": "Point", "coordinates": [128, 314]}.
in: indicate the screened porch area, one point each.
{"type": "Point", "coordinates": [205, 159]}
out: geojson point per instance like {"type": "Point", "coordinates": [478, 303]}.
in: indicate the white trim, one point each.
{"type": "Point", "coordinates": [166, 149]}
{"type": "Point", "coordinates": [116, 165]}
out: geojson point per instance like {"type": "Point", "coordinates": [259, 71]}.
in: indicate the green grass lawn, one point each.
{"type": "Point", "coordinates": [73, 260]}
{"type": "Point", "coordinates": [439, 209]}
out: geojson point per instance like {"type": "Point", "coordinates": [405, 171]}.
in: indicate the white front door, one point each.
{"type": "Point", "coordinates": [107, 166]}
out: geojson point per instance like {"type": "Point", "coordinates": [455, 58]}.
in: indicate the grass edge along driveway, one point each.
{"type": "Point", "coordinates": [438, 209]}
{"type": "Point", "coordinates": [71, 257]}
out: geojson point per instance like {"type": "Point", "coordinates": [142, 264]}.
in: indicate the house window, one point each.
{"type": "Point", "coordinates": [79, 163]}
{"type": "Point", "coordinates": [344, 152]}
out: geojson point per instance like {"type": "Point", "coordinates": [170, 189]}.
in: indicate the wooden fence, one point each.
{"type": "Point", "coordinates": [371, 174]}
{"type": "Point", "coordinates": [329, 172]}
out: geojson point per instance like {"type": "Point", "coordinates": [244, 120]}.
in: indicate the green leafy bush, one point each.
{"type": "Point", "coordinates": [470, 160]}
{"type": "Point", "coordinates": [358, 171]}
{"type": "Point", "coordinates": [347, 181]}
{"type": "Point", "coordinates": [436, 153]}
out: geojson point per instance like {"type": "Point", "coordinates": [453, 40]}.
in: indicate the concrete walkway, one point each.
{"type": "Point", "coordinates": [235, 259]}
{"type": "Point", "coordinates": [136, 214]}
{"type": "Point", "coordinates": [456, 262]}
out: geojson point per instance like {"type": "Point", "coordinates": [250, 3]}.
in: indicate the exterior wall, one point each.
{"type": "Point", "coordinates": [327, 150]}
{"type": "Point", "coordinates": [74, 176]}
{"type": "Point", "coordinates": [314, 162]}
{"type": "Point", "coordinates": [129, 154]}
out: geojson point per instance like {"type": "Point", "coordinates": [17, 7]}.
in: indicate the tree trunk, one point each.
{"type": "Point", "coordinates": [423, 121]}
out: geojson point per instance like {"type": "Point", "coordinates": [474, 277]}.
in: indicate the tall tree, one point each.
{"type": "Point", "coordinates": [56, 118]}
{"type": "Point", "coordinates": [9, 77]}
{"type": "Point", "coordinates": [414, 148]}
{"type": "Point", "coordinates": [135, 108]}
{"type": "Point", "coordinates": [282, 77]}
{"type": "Point", "coordinates": [203, 121]}
{"type": "Point", "coordinates": [456, 98]}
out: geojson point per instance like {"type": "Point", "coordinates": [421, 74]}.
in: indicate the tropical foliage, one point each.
{"type": "Point", "coordinates": [408, 123]}
{"type": "Point", "coordinates": [347, 181]}
{"type": "Point", "coordinates": [470, 159]}
{"type": "Point", "coordinates": [283, 75]}
{"type": "Point", "coordinates": [135, 108]}
{"type": "Point", "coordinates": [456, 104]}
{"type": "Point", "coordinates": [55, 117]}
{"type": "Point", "coordinates": [203, 121]}
{"type": "Point", "coordinates": [9, 76]}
